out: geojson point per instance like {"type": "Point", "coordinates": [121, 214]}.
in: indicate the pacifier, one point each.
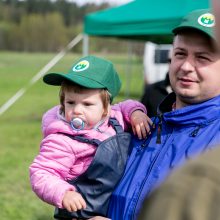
{"type": "Point", "coordinates": [77, 124]}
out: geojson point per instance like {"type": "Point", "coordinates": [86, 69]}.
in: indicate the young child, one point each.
{"type": "Point", "coordinates": [85, 148]}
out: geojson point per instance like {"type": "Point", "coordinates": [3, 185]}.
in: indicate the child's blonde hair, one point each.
{"type": "Point", "coordinates": [70, 86]}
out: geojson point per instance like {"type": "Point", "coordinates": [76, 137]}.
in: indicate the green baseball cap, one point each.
{"type": "Point", "coordinates": [90, 72]}
{"type": "Point", "coordinates": [202, 20]}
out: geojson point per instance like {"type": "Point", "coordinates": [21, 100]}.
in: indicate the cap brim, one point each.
{"type": "Point", "coordinates": [56, 79]}
{"type": "Point", "coordinates": [181, 28]}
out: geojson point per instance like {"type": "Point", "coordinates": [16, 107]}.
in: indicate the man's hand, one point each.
{"type": "Point", "coordinates": [73, 201]}
{"type": "Point", "coordinates": [140, 124]}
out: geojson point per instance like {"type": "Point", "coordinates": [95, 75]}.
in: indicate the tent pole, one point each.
{"type": "Point", "coordinates": [41, 73]}
{"type": "Point", "coordinates": [85, 45]}
{"type": "Point", "coordinates": [128, 70]}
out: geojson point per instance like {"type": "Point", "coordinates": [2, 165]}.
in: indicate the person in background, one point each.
{"type": "Point", "coordinates": [216, 11]}
{"type": "Point", "coordinates": [84, 149]}
{"type": "Point", "coordinates": [191, 192]}
{"type": "Point", "coordinates": [188, 123]}
{"type": "Point", "coordinates": [154, 94]}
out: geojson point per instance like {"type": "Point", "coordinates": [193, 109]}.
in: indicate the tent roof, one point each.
{"type": "Point", "coordinates": [140, 18]}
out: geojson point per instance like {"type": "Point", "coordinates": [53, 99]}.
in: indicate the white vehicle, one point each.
{"type": "Point", "coordinates": [156, 61]}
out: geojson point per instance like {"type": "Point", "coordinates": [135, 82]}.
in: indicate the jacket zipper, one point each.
{"type": "Point", "coordinates": [159, 129]}
{"type": "Point", "coordinates": [142, 185]}
{"type": "Point", "coordinates": [147, 176]}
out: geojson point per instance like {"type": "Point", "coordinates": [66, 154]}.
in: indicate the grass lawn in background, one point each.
{"type": "Point", "coordinates": [20, 125]}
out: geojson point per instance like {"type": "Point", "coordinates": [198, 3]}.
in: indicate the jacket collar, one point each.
{"type": "Point", "coordinates": [201, 113]}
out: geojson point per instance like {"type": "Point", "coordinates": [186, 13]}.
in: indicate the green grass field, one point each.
{"type": "Point", "coordinates": [20, 125]}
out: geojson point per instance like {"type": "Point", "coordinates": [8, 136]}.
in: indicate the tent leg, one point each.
{"type": "Point", "coordinates": [85, 45]}
{"type": "Point", "coordinates": [128, 70]}
{"type": "Point", "coordinates": [41, 73]}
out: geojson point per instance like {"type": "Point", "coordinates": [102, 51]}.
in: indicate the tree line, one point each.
{"type": "Point", "coordinates": [44, 25]}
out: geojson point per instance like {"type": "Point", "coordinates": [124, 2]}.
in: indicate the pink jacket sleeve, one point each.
{"type": "Point", "coordinates": [127, 107]}
{"type": "Point", "coordinates": [49, 170]}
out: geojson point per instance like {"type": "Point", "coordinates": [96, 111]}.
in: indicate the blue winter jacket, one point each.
{"type": "Point", "coordinates": [179, 135]}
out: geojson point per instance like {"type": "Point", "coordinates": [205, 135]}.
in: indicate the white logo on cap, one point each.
{"type": "Point", "coordinates": [82, 65]}
{"type": "Point", "coordinates": [207, 20]}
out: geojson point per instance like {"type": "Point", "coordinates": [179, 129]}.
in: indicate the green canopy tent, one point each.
{"type": "Point", "coordinates": [149, 20]}
{"type": "Point", "coordinates": [140, 19]}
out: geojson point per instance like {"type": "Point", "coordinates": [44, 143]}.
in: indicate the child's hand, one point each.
{"type": "Point", "coordinates": [73, 201]}
{"type": "Point", "coordinates": [140, 124]}
{"type": "Point", "coordinates": [99, 218]}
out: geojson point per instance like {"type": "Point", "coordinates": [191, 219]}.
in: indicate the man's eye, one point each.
{"type": "Point", "coordinates": [204, 58]}
{"type": "Point", "coordinates": [179, 54]}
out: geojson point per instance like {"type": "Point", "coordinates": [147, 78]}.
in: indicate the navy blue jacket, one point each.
{"type": "Point", "coordinates": [179, 135]}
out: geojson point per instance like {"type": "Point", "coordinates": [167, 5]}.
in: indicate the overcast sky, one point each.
{"type": "Point", "coordinates": [112, 2]}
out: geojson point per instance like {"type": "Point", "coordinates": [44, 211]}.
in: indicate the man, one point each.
{"type": "Point", "coordinates": [190, 117]}
{"type": "Point", "coordinates": [193, 191]}
{"type": "Point", "coordinates": [189, 121]}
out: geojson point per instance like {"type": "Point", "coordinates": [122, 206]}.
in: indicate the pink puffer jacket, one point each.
{"type": "Point", "coordinates": [61, 158]}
